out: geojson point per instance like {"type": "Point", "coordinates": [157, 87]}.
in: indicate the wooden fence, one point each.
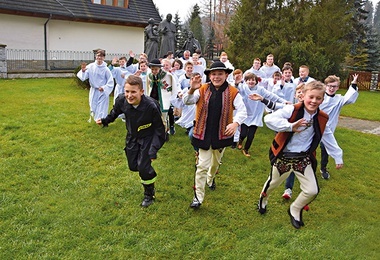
{"type": "Point", "coordinates": [364, 80]}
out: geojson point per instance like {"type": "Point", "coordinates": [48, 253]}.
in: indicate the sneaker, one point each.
{"type": "Point", "coordinates": [234, 144]}
{"type": "Point", "coordinates": [246, 153]}
{"type": "Point", "coordinates": [325, 174]}
{"type": "Point", "coordinates": [213, 185]}
{"type": "Point", "coordinates": [195, 204]}
{"type": "Point", "coordinates": [172, 130]}
{"type": "Point", "coordinates": [287, 194]}
{"type": "Point", "coordinates": [240, 145]}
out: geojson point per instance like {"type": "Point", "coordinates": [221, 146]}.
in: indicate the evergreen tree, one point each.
{"type": "Point", "coordinates": [179, 37]}
{"type": "Point", "coordinates": [376, 18]}
{"type": "Point", "coordinates": [299, 31]}
{"type": "Point", "coordinates": [195, 25]}
{"type": "Point", "coordinates": [373, 47]}
{"type": "Point", "coordinates": [358, 56]}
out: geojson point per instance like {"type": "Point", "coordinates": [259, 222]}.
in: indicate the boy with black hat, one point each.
{"type": "Point", "coordinates": [214, 125]}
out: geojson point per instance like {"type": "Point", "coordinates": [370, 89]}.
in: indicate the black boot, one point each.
{"type": "Point", "coordinates": [148, 195]}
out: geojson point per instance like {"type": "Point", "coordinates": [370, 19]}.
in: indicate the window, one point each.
{"type": "Point", "coordinates": [119, 3]}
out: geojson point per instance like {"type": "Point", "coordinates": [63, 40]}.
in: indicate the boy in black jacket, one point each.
{"type": "Point", "coordinates": [145, 132]}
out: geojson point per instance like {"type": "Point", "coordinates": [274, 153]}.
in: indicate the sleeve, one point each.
{"type": "Point", "coordinates": [108, 87]}
{"type": "Point", "coordinates": [351, 95]}
{"type": "Point", "coordinates": [241, 111]}
{"type": "Point", "coordinates": [272, 96]}
{"type": "Point", "coordinates": [272, 105]}
{"type": "Point", "coordinates": [176, 101]}
{"type": "Point", "coordinates": [190, 99]}
{"type": "Point", "coordinates": [278, 120]}
{"type": "Point", "coordinates": [82, 75]}
{"type": "Point", "coordinates": [331, 145]}
{"type": "Point", "coordinates": [129, 62]}
{"type": "Point", "coordinates": [159, 135]}
{"type": "Point", "coordinates": [114, 113]}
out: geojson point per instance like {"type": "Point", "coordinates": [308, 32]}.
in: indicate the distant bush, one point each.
{"type": "Point", "coordinates": [83, 84]}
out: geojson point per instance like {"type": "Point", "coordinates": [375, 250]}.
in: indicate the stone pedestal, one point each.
{"type": "Point", "coordinates": [374, 81]}
{"type": "Point", "coordinates": [3, 62]}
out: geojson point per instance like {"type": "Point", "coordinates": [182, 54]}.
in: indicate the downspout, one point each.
{"type": "Point", "coordinates": [45, 41]}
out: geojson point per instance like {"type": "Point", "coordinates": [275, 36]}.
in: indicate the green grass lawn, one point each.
{"type": "Point", "coordinates": [66, 191]}
{"type": "Point", "coordinates": [367, 106]}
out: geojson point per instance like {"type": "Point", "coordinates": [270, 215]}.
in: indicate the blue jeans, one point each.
{"type": "Point", "coordinates": [190, 131]}
{"type": "Point", "coordinates": [289, 183]}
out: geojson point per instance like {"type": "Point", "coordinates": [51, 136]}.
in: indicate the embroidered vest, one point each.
{"type": "Point", "coordinates": [202, 112]}
{"type": "Point", "coordinates": [282, 138]}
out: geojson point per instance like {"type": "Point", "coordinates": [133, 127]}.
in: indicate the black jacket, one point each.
{"type": "Point", "coordinates": [142, 123]}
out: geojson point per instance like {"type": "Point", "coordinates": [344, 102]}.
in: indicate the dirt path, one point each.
{"type": "Point", "coordinates": [364, 126]}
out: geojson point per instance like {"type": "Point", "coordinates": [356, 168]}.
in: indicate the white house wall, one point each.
{"type": "Point", "coordinates": [65, 35]}
{"type": "Point", "coordinates": [20, 32]}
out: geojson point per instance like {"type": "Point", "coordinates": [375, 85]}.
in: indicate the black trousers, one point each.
{"type": "Point", "coordinates": [324, 157]}
{"type": "Point", "coordinates": [249, 132]}
{"type": "Point", "coordinates": [137, 152]}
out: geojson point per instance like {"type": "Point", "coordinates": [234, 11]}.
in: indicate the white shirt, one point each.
{"type": "Point", "coordinates": [300, 142]}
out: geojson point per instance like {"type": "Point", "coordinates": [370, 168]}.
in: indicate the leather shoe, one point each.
{"type": "Point", "coordinates": [195, 204]}
{"type": "Point", "coordinates": [213, 185]}
{"type": "Point", "coordinates": [261, 210]}
{"type": "Point", "coordinates": [294, 222]}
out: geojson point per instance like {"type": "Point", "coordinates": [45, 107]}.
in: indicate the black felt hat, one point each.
{"type": "Point", "coordinates": [218, 65]}
{"type": "Point", "coordinates": [155, 63]}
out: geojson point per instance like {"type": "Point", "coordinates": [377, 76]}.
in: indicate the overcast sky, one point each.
{"type": "Point", "coordinates": [183, 7]}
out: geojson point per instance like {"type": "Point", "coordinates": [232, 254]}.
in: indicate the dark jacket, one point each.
{"type": "Point", "coordinates": [142, 123]}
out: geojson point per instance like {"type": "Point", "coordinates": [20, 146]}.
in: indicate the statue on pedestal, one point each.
{"type": "Point", "coordinates": [191, 43]}
{"type": "Point", "coordinates": [151, 40]}
{"type": "Point", "coordinates": [168, 32]}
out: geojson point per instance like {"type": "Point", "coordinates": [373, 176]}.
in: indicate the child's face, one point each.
{"type": "Point", "coordinates": [143, 67]}
{"type": "Point", "coordinates": [312, 99]}
{"type": "Point", "coordinates": [142, 57]}
{"type": "Point", "coordinates": [299, 95]}
{"type": "Point", "coordinates": [332, 87]}
{"type": "Point", "coordinates": [238, 76]}
{"type": "Point", "coordinates": [270, 61]}
{"type": "Point", "coordinates": [218, 77]}
{"type": "Point", "coordinates": [287, 74]}
{"type": "Point", "coordinates": [223, 58]}
{"type": "Point", "coordinates": [133, 94]}
{"type": "Point", "coordinates": [122, 62]}
{"type": "Point", "coordinates": [276, 78]}
{"type": "Point", "coordinates": [256, 65]}
{"type": "Point", "coordinates": [166, 66]}
{"type": "Point", "coordinates": [303, 72]}
{"type": "Point", "coordinates": [155, 70]}
{"type": "Point", "coordinates": [176, 66]}
{"type": "Point", "coordinates": [251, 82]}
{"type": "Point", "coordinates": [189, 70]}
{"type": "Point", "coordinates": [99, 58]}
